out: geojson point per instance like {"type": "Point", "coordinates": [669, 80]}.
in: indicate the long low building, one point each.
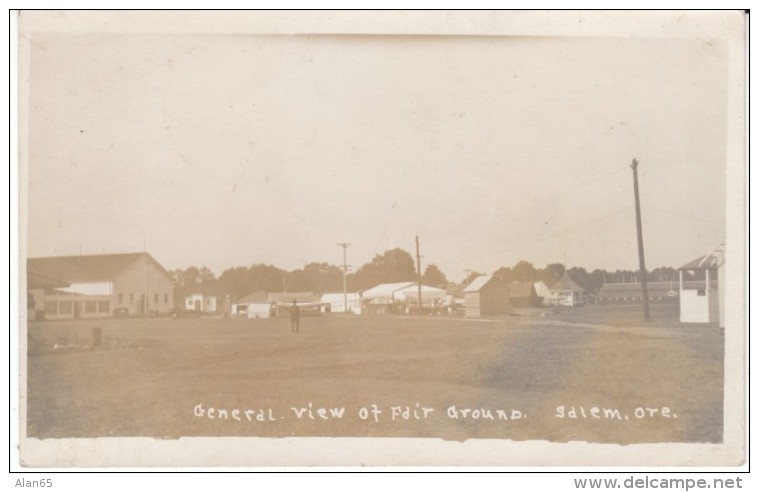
{"type": "Point", "coordinates": [98, 286]}
{"type": "Point", "coordinates": [633, 292]}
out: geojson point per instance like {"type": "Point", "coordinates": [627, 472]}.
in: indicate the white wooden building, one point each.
{"type": "Point", "coordinates": [703, 302]}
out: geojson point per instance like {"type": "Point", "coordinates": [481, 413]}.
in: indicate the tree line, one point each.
{"type": "Point", "coordinates": [395, 265]}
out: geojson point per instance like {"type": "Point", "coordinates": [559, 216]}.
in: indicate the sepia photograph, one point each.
{"type": "Point", "coordinates": [445, 238]}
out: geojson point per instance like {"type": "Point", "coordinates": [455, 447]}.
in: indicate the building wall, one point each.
{"type": "Point", "coordinates": [337, 303]}
{"type": "Point", "coordinates": [565, 299]}
{"type": "Point", "coordinates": [62, 305]}
{"type": "Point", "coordinates": [200, 303]}
{"type": "Point", "coordinates": [694, 308]}
{"type": "Point", "coordinates": [492, 300]}
{"type": "Point", "coordinates": [129, 289]}
{"type": "Point", "coordinates": [472, 305]}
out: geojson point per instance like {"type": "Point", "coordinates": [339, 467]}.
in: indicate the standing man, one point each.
{"type": "Point", "coordinates": [294, 318]}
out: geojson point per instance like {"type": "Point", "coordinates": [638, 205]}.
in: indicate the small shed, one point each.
{"type": "Point", "coordinates": [255, 305]}
{"type": "Point", "coordinates": [565, 292]}
{"type": "Point", "coordinates": [486, 295]}
{"type": "Point", "coordinates": [705, 302]}
{"type": "Point", "coordinates": [200, 303]}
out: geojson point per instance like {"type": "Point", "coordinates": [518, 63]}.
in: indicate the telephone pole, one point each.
{"type": "Point", "coordinates": [641, 257]}
{"type": "Point", "coordinates": [345, 276]}
{"type": "Point", "coordinates": [419, 275]}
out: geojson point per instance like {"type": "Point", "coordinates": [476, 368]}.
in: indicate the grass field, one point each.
{"type": "Point", "coordinates": [655, 382]}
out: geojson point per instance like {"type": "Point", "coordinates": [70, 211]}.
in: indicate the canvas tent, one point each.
{"type": "Point", "coordinates": [542, 291]}
{"type": "Point", "coordinates": [380, 299]}
{"type": "Point", "coordinates": [410, 295]}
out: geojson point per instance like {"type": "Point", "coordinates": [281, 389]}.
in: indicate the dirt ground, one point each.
{"type": "Point", "coordinates": [595, 374]}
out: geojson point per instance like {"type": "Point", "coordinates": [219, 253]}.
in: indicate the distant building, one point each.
{"type": "Point", "coordinates": [201, 303]}
{"type": "Point", "coordinates": [97, 286]}
{"type": "Point", "coordinates": [432, 297]}
{"type": "Point", "coordinates": [626, 293]}
{"type": "Point", "coordinates": [542, 291]}
{"type": "Point", "coordinates": [565, 292]}
{"type": "Point", "coordinates": [486, 295]}
{"type": "Point", "coordinates": [705, 303]}
{"type": "Point", "coordinates": [308, 302]}
{"type": "Point", "coordinates": [255, 305]}
{"type": "Point", "coordinates": [523, 295]}
{"type": "Point", "coordinates": [380, 299]}
{"type": "Point", "coordinates": [334, 302]}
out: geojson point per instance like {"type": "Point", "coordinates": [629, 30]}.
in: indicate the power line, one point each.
{"type": "Point", "coordinates": [546, 238]}
{"type": "Point", "coordinates": [568, 191]}
{"type": "Point", "coordinates": [683, 216]}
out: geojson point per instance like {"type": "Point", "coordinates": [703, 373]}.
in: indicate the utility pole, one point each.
{"type": "Point", "coordinates": [641, 256]}
{"type": "Point", "coordinates": [345, 276]}
{"type": "Point", "coordinates": [419, 275]}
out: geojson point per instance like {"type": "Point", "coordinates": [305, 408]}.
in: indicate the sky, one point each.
{"type": "Point", "coordinates": [229, 150]}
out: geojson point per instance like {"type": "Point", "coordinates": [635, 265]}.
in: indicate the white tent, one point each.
{"type": "Point", "coordinates": [430, 295]}
{"type": "Point", "coordinates": [383, 293]}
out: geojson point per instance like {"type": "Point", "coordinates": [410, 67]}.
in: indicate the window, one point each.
{"type": "Point", "coordinates": [701, 292]}
{"type": "Point", "coordinates": [90, 306]}
{"type": "Point", "coordinates": [65, 307]}
{"type": "Point", "coordinates": [104, 306]}
{"type": "Point", "coordinates": [155, 299]}
{"type": "Point", "coordinates": [166, 298]}
{"type": "Point", "coordinates": [51, 307]}
{"type": "Point", "coordinates": [131, 298]}
{"type": "Point", "coordinates": [121, 298]}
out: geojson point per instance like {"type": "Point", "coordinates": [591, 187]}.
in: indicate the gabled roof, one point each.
{"type": "Point", "coordinates": [412, 293]}
{"type": "Point", "coordinates": [478, 283]}
{"type": "Point", "coordinates": [86, 268]}
{"type": "Point", "coordinates": [703, 263]}
{"type": "Point", "coordinates": [258, 297]}
{"type": "Point", "coordinates": [566, 284]}
{"type": "Point", "coordinates": [385, 290]}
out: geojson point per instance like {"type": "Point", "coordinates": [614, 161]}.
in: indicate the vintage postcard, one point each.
{"type": "Point", "coordinates": [296, 238]}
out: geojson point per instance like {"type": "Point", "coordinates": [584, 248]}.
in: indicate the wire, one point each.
{"type": "Point", "coordinates": [546, 238]}
{"type": "Point", "coordinates": [682, 216]}
{"type": "Point", "coordinates": [570, 190]}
